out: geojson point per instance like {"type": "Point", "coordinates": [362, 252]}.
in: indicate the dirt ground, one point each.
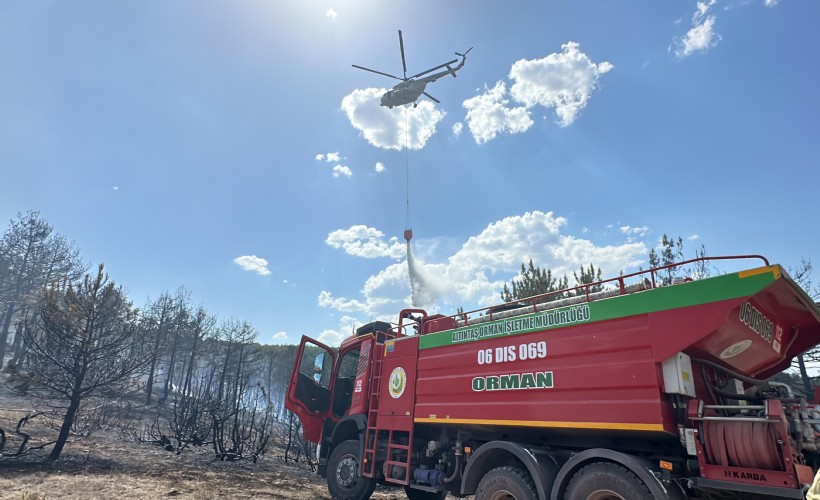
{"type": "Point", "coordinates": [104, 466]}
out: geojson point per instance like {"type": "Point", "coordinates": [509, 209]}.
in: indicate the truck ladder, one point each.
{"type": "Point", "coordinates": [371, 433]}
{"type": "Point", "coordinates": [398, 470]}
{"type": "Point", "coordinates": [399, 442]}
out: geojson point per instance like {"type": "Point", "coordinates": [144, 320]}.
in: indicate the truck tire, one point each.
{"type": "Point", "coordinates": [414, 494]}
{"type": "Point", "coordinates": [344, 480]}
{"type": "Point", "coordinates": [606, 481]}
{"type": "Point", "coordinates": [506, 483]}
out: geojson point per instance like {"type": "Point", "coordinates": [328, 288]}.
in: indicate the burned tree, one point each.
{"type": "Point", "coordinates": [155, 325]}
{"type": "Point", "coordinates": [84, 347]}
{"type": "Point", "coordinates": [32, 256]}
{"type": "Point", "coordinates": [181, 318]}
{"type": "Point", "coordinates": [802, 276]}
{"type": "Point", "coordinates": [241, 417]}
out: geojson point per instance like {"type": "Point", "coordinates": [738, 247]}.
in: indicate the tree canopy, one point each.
{"type": "Point", "coordinates": [85, 344]}
{"type": "Point", "coordinates": [536, 280]}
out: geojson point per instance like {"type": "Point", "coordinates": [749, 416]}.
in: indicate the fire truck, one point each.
{"type": "Point", "coordinates": [631, 388]}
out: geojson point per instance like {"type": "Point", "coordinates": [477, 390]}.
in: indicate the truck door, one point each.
{"type": "Point", "coordinates": [309, 391]}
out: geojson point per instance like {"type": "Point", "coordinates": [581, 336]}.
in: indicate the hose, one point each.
{"type": "Point", "coordinates": [732, 373]}
{"type": "Point", "coordinates": [456, 471]}
{"type": "Point", "coordinates": [459, 451]}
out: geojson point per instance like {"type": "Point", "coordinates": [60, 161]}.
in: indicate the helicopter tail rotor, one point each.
{"type": "Point", "coordinates": [464, 55]}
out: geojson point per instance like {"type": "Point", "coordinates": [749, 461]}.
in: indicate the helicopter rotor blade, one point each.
{"type": "Point", "coordinates": [431, 97]}
{"type": "Point", "coordinates": [403, 62]}
{"type": "Point", "coordinates": [437, 67]}
{"type": "Point", "coordinates": [378, 72]}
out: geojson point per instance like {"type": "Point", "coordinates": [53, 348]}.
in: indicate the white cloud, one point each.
{"type": "Point", "coordinates": [331, 14]}
{"type": "Point", "coordinates": [488, 115]}
{"type": "Point", "coordinates": [457, 128]}
{"type": "Point", "coordinates": [115, 188]}
{"type": "Point", "coordinates": [326, 299]}
{"type": "Point", "coordinates": [693, 237]}
{"type": "Point", "coordinates": [702, 10]}
{"type": "Point", "coordinates": [279, 338]}
{"type": "Point", "coordinates": [701, 37]}
{"type": "Point", "coordinates": [632, 232]}
{"type": "Point", "coordinates": [564, 81]}
{"type": "Point", "coordinates": [386, 293]}
{"type": "Point", "coordinates": [253, 263]}
{"type": "Point", "coordinates": [504, 244]}
{"type": "Point", "coordinates": [770, 3]}
{"type": "Point", "coordinates": [473, 275]}
{"type": "Point", "coordinates": [366, 242]}
{"type": "Point", "coordinates": [379, 167]}
{"type": "Point", "coordinates": [390, 128]}
{"type": "Point", "coordinates": [329, 157]}
{"type": "Point", "coordinates": [698, 39]}
{"type": "Point", "coordinates": [340, 170]}
{"type": "Point", "coordinates": [333, 338]}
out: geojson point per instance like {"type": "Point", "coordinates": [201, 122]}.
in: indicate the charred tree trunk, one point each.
{"type": "Point", "coordinates": [169, 376]}
{"type": "Point", "coordinates": [4, 333]}
{"type": "Point", "coordinates": [65, 429]}
{"type": "Point", "coordinates": [221, 393]}
{"type": "Point", "coordinates": [159, 339]}
{"type": "Point", "coordinates": [17, 348]}
{"type": "Point", "coordinates": [804, 376]}
{"type": "Point", "coordinates": [186, 387]}
{"type": "Point", "coordinates": [80, 367]}
{"type": "Point", "coordinates": [149, 387]}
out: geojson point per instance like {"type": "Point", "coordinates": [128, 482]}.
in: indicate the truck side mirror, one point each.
{"type": "Point", "coordinates": [318, 365]}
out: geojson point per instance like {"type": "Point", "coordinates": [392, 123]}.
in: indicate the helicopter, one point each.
{"type": "Point", "coordinates": [411, 88]}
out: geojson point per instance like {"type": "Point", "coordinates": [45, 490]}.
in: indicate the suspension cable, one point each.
{"type": "Point", "coordinates": [407, 222]}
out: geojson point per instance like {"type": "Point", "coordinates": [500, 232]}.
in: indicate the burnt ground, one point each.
{"type": "Point", "coordinates": [105, 466]}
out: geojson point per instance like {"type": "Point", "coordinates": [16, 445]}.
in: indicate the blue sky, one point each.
{"type": "Point", "coordinates": [230, 146]}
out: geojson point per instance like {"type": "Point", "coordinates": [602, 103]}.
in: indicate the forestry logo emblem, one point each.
{"type": "Point", "coordinates": [397, 382]}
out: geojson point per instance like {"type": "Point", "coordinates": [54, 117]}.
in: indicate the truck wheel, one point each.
{"type": "Point", "coordinates": [506, 483]}
{"type": "Point", "coordinates": [606, 481]}
{"type": "Point", "coordinates": [414, 494]}
{"type": "Point", "coordinates": [344, 480]}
